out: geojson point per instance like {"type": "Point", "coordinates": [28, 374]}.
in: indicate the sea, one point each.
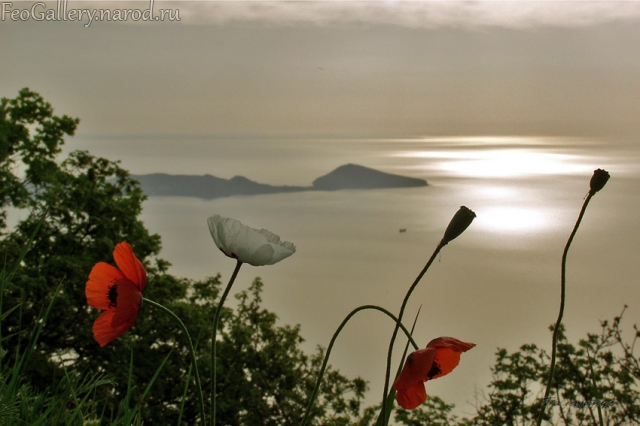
{"type": "Point", "coordinates": [497, 285]}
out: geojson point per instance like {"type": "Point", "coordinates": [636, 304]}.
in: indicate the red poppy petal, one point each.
{"type": "Point", "coordinates": [129, 264]}
{"type": "Point", "coordinates": [102, 277]}
{"type": "Point", "coordinates": [451, 343]}
{"type": "Point", "coordinates": [103, 330]}
{"type": "Point", "coordinates": [127, 305]}
{"type": "Point", "coordinates": [412, 397]}
{"type": "Point", "coordinates": [415, 370]}
{"type": "Point", "coordinates": [447, 358]}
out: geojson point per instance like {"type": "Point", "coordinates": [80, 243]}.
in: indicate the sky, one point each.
{"type": "Point", "coordinates": [335, 68]}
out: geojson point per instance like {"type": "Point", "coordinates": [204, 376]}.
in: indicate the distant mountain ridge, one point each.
{"type": "Point", "coordinates": [348, 176]}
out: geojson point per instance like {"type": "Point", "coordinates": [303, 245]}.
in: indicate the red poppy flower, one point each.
{"type": "Point", "coordinates": [116, 291]}
{"type": "Point", "coordinates": [439, 358]}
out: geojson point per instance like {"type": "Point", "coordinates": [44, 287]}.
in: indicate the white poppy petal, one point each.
{"type": "Point", "coordinates": [248, 245]}
{"type": "Point", "coordinates": [262, 256]}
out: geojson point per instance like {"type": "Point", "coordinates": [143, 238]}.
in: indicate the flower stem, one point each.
{"type": "Point", "coordinates": [191, 352]}
{"type": "Point", "coordinates": [399, 321]}
{"type": "Point", "coordinates": [314, 394]}
{"type": "Point", "coordinates": [216, 320]}
{"type": "Point", "coordinates": [556, 328]}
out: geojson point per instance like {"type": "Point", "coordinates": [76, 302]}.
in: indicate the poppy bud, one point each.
{"type": "Point", "coordinates": [598, 180]}
{"type": "Point", "coordinates": [460, 221]}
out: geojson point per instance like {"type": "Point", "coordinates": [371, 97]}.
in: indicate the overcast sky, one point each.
{"type": "Point", "coordinates": [337, 68]}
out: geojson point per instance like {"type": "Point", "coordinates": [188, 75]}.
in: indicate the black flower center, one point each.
{"type": "Point", "coordinates": [113, 296]}
{"type": "Point", "coordinates": [435, 370]}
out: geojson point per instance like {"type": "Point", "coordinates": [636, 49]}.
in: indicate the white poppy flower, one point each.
{"type": "Point", "coordinates": [248, 245]}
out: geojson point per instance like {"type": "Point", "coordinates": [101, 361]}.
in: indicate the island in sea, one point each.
{"type": "Point", "coordinates": [348, 176]}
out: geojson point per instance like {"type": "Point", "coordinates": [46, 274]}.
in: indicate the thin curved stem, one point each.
{"type": "Point", "coordinates": [556, 329]}
{"type": "Point", "coordinates": [399, 321]}
{"type": "Point", "coordinates": [192, 351]}
{"type": "Point", "coordinates": [216, 320]}
{"type": "Point", "coordinates": [314, 394]}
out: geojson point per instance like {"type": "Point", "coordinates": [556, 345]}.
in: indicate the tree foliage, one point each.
{"type": "Point", "coordinates": [598, 377]}
{"type": "Point", "coordinates": [34, 153]}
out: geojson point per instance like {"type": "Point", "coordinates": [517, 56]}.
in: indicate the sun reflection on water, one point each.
{"type": "Point", "coordinates": [506, 178]}
{"type": "Point", "coordinates": [501, 162]}
{"type": "Point", "coordinates": [512, 163]}
{"type": "Point", "coordinates": [497, 157]}
{"type": "Point", "coordinates": [510, 208]}
{"type": "Point", "coordinates": [510, 219]}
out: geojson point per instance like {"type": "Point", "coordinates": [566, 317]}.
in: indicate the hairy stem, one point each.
{"type": "Point", "coordinates": [399, 321]}
{"type": "Point", "coordinates": [556, 328]}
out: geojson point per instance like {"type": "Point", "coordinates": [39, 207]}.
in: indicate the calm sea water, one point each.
{"type": "Point", "coordinates": [497, 285]}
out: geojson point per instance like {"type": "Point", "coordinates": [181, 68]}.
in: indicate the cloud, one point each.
{"type": "Point", "coordinates": [516, 14]}
{"type": "Point", "coordinates": [413, 14]}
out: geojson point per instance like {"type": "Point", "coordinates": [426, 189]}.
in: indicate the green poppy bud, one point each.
{"type": "Point", "coordinates": [460, 221]}
{"type": "Point", "coordinates": [598, 180]}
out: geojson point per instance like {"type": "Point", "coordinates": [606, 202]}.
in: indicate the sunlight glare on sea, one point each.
{"type": "Point", "coordinates": [502, 163]}
{"type": "Point", "coordinates": [496, 157]}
